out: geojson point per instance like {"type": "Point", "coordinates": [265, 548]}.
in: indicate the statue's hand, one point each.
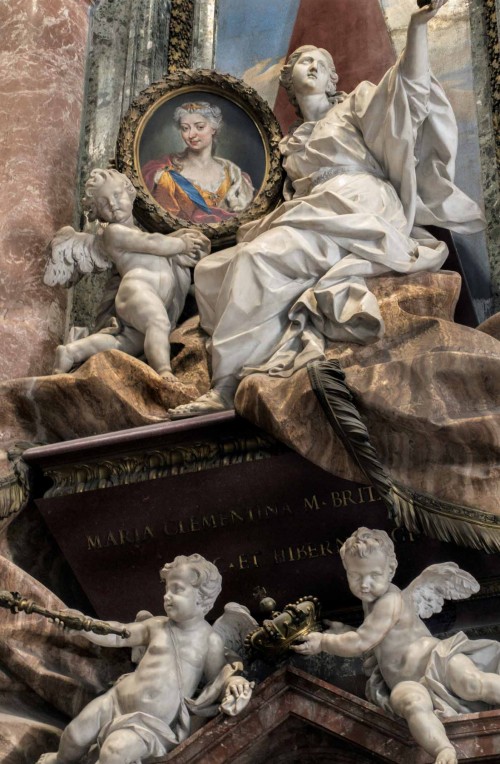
{"type": "Point", "coordinates": [309, 645]}
{"type": "Point", "coordinates": [238, 693]}
{"type": "Point", "coordinates": [195, 243]}
{"type": "Point", "coordinates": [70, 619]}
{"type": "Point", "coordinates": [427, 10]}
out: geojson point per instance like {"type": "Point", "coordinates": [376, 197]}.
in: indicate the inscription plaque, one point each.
{"type": "Point", "coordinates": [276, 523]}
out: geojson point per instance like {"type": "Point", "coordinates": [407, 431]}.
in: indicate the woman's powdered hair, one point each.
{"type": "Point", "coordinates": [96, 180]}
{"type": "Point", "coordinates": [212, 113]}
{"type": "Point", "coordinates": [206, 577]}
{"type": "Point", "coordinates": [365, 541]}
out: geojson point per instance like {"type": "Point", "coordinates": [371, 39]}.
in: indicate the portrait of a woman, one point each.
{"type": "Point", "coordinates": [195, 184]}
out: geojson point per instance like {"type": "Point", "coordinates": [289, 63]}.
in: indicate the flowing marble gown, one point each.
{"type": "Point", "coordinates": [361, 182]}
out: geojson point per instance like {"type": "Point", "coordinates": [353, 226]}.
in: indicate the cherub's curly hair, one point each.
{"type": "Point", "coordinates": [98, 178]}
{"type": "Point", "coordinates": [286, 76]}
{"type": "Point", "coordinates": [206, 577]}
{"type": "Point", "coordinates": [365, 541]}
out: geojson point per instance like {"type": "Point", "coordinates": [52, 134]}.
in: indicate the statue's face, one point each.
{"type": "Point", "coordinates": [196, 131]}
{"type": "Point", "coordinates": [113, 204]}
{"type": "Point", "coordinates": [368, 577]}
{"type": "Point", "coordinates": [311, 73]}
{"type": "Point", "coordinates": [182, 599]}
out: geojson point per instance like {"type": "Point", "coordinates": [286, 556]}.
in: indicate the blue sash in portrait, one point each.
{"type": "Point", "coordinates": [189, 189]}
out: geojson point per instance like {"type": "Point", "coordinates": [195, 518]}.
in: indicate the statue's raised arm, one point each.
{"type": "Point", "coordinates": [415, 61]}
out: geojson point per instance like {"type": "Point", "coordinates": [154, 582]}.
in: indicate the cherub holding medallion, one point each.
{"type": "Point", "coordinates": [154, 272]}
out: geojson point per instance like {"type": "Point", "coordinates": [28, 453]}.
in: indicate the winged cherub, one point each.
{"type": "Point", "coordinates": [153, 269]}
{"type": "Point", "coordinates": [414, 675]}
{"type": "Point", "coordinates": [147, 713]}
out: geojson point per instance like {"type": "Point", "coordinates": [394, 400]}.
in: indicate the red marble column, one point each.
{"type": "Point", "coordinates": [42, 67]}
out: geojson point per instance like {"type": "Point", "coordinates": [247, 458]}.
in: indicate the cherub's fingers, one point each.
{"type": "Point", "coordinates": [301, 647]}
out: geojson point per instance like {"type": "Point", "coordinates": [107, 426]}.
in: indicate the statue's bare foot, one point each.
{"type": "Point", "coordinates": [210, 403]}
{"type": "Point", "coordinates": [447, 756]}
{"type": "Point", "coordinates": [64, 360]}
{"type": "Point", "coordinates": [168, 376]}
{"type": "Point", "coordinates": [47, 758]}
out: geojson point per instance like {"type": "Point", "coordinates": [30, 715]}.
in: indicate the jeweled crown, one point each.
{"type": "Point", "coordinates": [273, 639]}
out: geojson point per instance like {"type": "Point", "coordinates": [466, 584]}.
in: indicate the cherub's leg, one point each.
{"type": "Point", "coordinates": [412, 701]}
{"type": "Point", "coordinates": [75, 353]}
{"type": "Point", "coordinates": [157, 344]}
{"type": "Point", "coordinates": [469, 683]}
{"type": "Point", "coordinates": [82, 732]}
{"type": "Point", "coordinates": [123, 747]}
{"type": "Point", "coordinates": [139, 305]}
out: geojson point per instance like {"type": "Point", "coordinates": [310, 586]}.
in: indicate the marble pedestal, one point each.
{"type": "Point", "coordinates": [120, 505]}
{"type": "Point", "coordinates": [295, 718]}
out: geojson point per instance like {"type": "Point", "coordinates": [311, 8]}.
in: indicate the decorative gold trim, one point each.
{"type": "Point", "coordinates": [151, 465]}
{"type": "Point", "coordinates": [421, 513]}
{"type": "Point", "coordinates": [15, 487]}
{"type": "Point", "coordinates": [152, 216]}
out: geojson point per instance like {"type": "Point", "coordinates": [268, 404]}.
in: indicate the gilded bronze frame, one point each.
{"type": "Point", "coordinates": [192, 83]}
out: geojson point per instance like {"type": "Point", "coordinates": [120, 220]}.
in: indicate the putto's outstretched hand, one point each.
{"type": "Point", "coordinates": [308, 645]}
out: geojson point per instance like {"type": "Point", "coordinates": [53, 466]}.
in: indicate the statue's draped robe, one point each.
{"type": "Point", "coordinates": [365, 178]}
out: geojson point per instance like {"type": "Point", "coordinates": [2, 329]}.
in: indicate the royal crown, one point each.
{"type": "Point", "coordinates": [273, 639]}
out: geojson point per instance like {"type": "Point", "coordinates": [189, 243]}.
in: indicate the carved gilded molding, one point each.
{"type": "Point", "coordinates": [15, 486]}
{"type": "Point", "coordinates": [196, 84]}
{"type": "Point", "coordinates": [91, 475]}
{"type": "Point", "coordinates": [180, 40]}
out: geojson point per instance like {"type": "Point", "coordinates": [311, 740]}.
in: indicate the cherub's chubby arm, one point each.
{"type": "Point", "coordinates": [119, 238]}
{"type": "Point", "coordinates": [350, 644]}
{"type": "Point", "coordinates": [138, 633]}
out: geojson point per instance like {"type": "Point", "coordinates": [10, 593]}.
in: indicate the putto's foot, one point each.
{"type": "Point", "coordinates": [64, 361]}
{"type": "Point", "coordinates": [167, 374]}
{"type": "Point", "coordinates": [47, 758]}
{"type": "Point", "coordinates": [210, 403]}
{"type": "Point", "coordinates": [447, 756]}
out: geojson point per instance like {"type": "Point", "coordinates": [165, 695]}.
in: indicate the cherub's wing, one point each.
{"type": "Point", "coordinates": [72, 255]}
{"type": "Point", "coordinates": [437, 583]}
{"type": "Point", "coordinates": [233, 626]}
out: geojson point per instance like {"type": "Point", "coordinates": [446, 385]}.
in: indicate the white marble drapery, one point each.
{"type": "Point", "coordinates": [365, 178]}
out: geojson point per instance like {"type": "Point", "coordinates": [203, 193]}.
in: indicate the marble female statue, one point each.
{"type": "Point", "coordinates": [154, 272]}
{"type": "Point", "coordinates": [196, 185]}
{"type": "Point", "coordinates": [147, 713]}
{"type": "Point", "coordinates": [366, 171]}
{"type": "Point", "coordinates": [413, 675]}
